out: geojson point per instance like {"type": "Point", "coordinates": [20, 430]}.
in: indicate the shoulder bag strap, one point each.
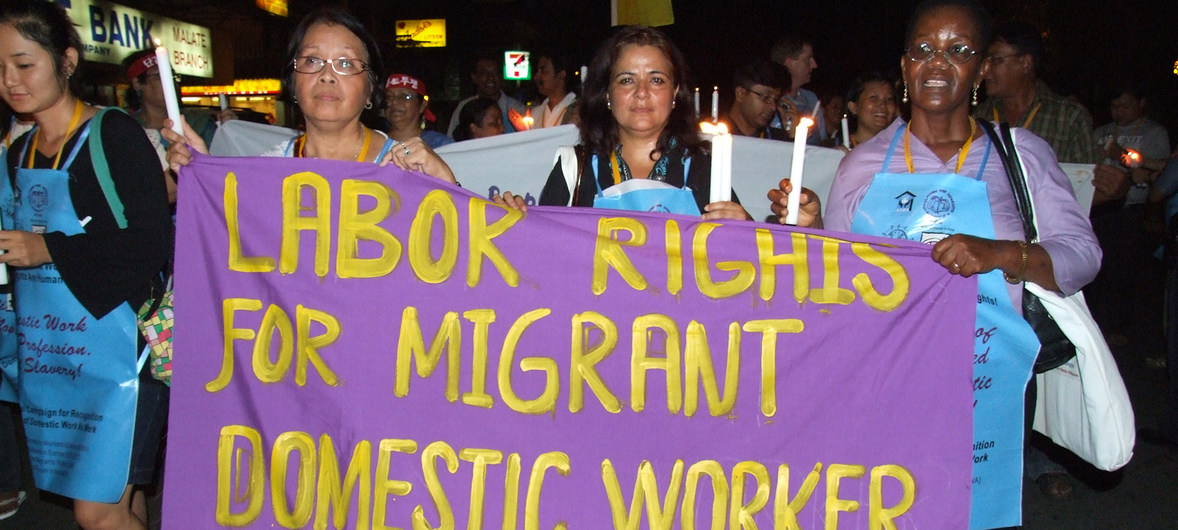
{"type": "Point", "coordinates": [1014, 174]}
{"type": "Point", "coordinates": [102, 169]}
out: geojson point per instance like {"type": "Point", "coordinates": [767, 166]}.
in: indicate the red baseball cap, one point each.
{"type": "Point", "coordinates": [144, 63]}
{"type": "Point", "coordinates": [414, 84]}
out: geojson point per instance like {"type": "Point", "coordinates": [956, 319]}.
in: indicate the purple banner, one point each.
{"type": "Point", "coordinates": [366, 348]}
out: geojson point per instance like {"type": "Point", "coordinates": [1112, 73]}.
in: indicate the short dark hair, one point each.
{"type": "Point", "coordinates": [979, 14]}
{"type": "Point", "coordinates": [471, 114]}
{"type": "Point", "coordinates": [335, 16]}
{"type": "Point", "coordinates": [48, 25]}
{"type": "Point", "coordinates": [561, 62]}
{"type": "Point", "coordinates": [789, 47]}
{"type": "Point", "coordinates": [1024, 38]}
{"type": "Point", "coordinates": [132, 96]}
{"type": "Point", "coordinates": [599, 130]}
{"type": "Point", "coordinates": [860, 84]}
{"type": "Point", "coordinates": [761, 72]}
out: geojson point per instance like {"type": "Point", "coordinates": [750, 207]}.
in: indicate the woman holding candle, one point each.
{"type": "Point", "coordinates": [333, 73]}
{"type": "Point", "coordinates": [939, 179]}
{"type": "Point", "coordinates": [638, 135]}
{"type": "Point", "coordinates": [81, 266]}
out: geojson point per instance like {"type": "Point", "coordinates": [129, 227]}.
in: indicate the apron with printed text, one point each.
{"type": "Point", "coordinates": [9, 372]}
{"type": "Point", "coordinates": [926, 208]}
{"type": "Point", "coordinates": [646, 195]}
{"type": "Point", "coordinates": [79, 382]}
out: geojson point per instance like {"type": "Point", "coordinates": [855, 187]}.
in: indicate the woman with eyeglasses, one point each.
{"type": "Point", "coordinates": [332, 73]}
{"type": "Point", "coordinates": [938, 179]}
{"type": "Point", "coordinates": [407, 110]}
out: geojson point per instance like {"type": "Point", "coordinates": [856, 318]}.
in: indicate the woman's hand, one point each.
{"type": "Point", "coordinates": [23, 249]}
{"type": "Point", "coordinates": [809, 207]}
{"type": "Point", "coordinates": [414, 155]}
{"type": "Point", "coordinates": [180, 148]}
{"type": "Point", "coordinates": [968, 255]}
{"type": "Point", "coordinates": [510, 200]}
{"type": "Point", "coordinates": [725, 210]}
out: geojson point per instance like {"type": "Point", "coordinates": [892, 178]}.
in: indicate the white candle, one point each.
{"type": "Point", "coordinates": [846, 133]}
{"type": "Point", "coordinates": [584, 73]}
{"type": "Point", "coordinates": [721, 189]}
{"type": "Point", "coordinates": [697, 101]}
{"type": "Point", "coordinates": [814, 113]}
{"type": "Point", "coordinates": [224, 101]}
{"type": "Point", "coordinates": [715, 103]}
{"type": "Point", "coordinates": [795, 171]}
{"type": "Point", "coordinates": [169, 86]}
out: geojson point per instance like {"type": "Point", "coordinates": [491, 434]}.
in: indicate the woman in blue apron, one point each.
{"type": "Point", "coordinates": [640, 143]}
{"type": "Point", "coordinates": [939, 180]}
{"type": "Point", "coordinates": [81, 267]}
{"type": "Point", "coordinates": [332, 71]}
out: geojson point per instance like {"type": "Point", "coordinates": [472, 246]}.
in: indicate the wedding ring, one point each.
{"type": "Point", "coordinates": [956, 267]}
{"type": "Point", "coordinates": [406, 151]}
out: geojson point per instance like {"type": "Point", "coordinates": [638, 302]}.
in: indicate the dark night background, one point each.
{"type": "Point", "coordinates": [1092, 45]}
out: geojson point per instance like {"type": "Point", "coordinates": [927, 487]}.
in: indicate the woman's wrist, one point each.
{"type": "Point", "coordinates": [1020, 256]}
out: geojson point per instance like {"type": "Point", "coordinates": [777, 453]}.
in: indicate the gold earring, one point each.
{"type": "Point", "coordinates": [974, 103]}
{"type": "Point", "coordinates": [905, 98]}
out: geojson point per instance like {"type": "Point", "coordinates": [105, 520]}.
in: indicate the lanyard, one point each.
{"type": "Point", "coordinates": [78, 106]}
{"type": "Point", "coordinates": [301, 145]}
{"type": "Point", "coordinates": [961, 153]}
{"type": "Point", "coordinates": [1030, 117]}
{"type": "Point", "coordinates": [614, 166]}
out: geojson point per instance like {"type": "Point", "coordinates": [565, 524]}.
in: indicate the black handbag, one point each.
{"type": "Point", "coordinates": [1055, 348]}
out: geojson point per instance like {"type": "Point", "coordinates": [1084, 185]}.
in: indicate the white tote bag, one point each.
{"type": "Point", "coordinates": [1082, 405]}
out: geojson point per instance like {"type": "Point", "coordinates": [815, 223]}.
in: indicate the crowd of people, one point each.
{"type": "Point", "coordinates": [639, 148]}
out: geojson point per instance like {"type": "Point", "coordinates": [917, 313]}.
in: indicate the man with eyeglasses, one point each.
{"type": "Point", "coordinates": [796, 53]}
{"type": "Point", "coordinates": [1017, 96]}
{"type": "Point", "coordinates": [758, 87]}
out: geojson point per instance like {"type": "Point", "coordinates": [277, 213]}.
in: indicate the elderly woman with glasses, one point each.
{"type": "Point", "coordinates": [332, 73]}
{"type": "Point", "coordinates": [407, 110]}
{"type": "Point", "coordinates": [939, 179]}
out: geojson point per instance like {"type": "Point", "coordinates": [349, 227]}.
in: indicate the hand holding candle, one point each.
{"type": "Point", "coordinates": [793, 203]}
{"type": "Point", "coordinates": [168, 83]}
{"type": "Point", "coordinates": [721, 189]}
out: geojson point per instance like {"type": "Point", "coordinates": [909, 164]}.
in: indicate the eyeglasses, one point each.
{"type": "Point", "coordinates": [342, 65]}
{"type": "Point", "coordinates": [147, 77]}
{"type": "Point", "coordinates": [765, 98]}
{"type": "Point", "coordinates": [393, 98]}
{"type": "Point", "coordinates": [955, 54]}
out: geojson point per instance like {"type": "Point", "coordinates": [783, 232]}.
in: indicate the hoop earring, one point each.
{"type": "Point", "coordinates": [974, 102]}
{"type": "Point", "coordinates": [295, 99]}
{"type": "Point", "coordinates": [368, 106]}
{"type": "Point", "coordinates": [905, 98]}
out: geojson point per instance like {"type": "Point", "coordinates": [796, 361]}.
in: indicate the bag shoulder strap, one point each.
{"type": "Point", "coordinates": [1004, 144]}
{"type": "Point", "coordinates": [102, 168]}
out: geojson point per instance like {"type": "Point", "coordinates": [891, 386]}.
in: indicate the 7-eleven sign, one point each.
{"type": "Point", "coordinates": [516, 66]}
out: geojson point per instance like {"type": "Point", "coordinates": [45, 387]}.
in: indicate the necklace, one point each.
{"type": "Point", "coordinates": [361, 155]}
{"type": "Point", "coordinates": [78, 106]}
{"type": "Point", "coordinates": [962, 152]}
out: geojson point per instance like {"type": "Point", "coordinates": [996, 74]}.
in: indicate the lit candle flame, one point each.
{"type": "Point", "coordinates": [805, 122]}
{"type": "Point", "coordinates": [708, 127]}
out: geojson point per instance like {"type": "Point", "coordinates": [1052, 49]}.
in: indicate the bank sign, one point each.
{"type": "Point", "coordinates": [110, 32]}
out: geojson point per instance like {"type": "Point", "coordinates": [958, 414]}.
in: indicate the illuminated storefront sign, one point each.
{"type": "Point", "coordinates": [517, 66]}
{"type": "Point", "coordinates": [110, 32]}
{"type": "Point", "coordinates": [275, 7]}
{"type": "Point", "coordinates": [421, 33]}
{"type": "Point", "coordinates": [239, 86]}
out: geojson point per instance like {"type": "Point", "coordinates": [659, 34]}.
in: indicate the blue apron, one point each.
{"type": "Point", "coordinates": [9, 369]}
{"type": "Point", "coordinates": [928, 207]}
{"type": "Point", "coordinates": [79, 382]}
{"type": "Point", "coordinates": [657, 197]}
